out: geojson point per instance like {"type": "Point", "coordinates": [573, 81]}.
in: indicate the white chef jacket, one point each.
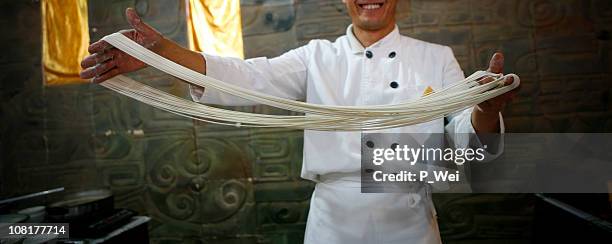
{"type": "Point", "coordinates": [395, 69]}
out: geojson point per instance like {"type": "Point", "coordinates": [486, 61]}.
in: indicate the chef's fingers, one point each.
{"type": "Point", "coordinates": [137, 23]}
{"type": "Point", "coordinates": [95, 59]}
{"type": "Point", "coordinates": [509, 80]}
{"type": "Point", "coordinates": [485, 80]}
{"type": "Point", "coordinates": [496, 65]}
{"type": "Point", "coordinates": [98, 47]}
{"type": "Point", "coordinates": [109, 74]}
{"type": "Point", "coordinates": [98, 69]}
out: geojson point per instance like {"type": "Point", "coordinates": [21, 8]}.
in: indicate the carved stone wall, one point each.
{"type": "Point", "coordinates": [217, 184]}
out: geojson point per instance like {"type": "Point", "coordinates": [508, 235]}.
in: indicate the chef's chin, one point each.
{"type": "Point", "coordinates": [374, 15]}
{"type": "Point", "coordinates": [371, 24]}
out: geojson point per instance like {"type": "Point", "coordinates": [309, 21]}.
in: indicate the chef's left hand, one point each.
{"type": "Point", "coordinates": [485, 117]}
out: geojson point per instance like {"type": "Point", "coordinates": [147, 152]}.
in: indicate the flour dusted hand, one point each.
{"type": "Point", "coordinates": [106, 61]}
{"type": "Point", "coordinates": [497, 104]}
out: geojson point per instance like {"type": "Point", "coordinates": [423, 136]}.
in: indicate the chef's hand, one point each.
{"type": "Point", "coordinates": [106, 61]}
{"type": "Point", "coordinates": [485, 117]}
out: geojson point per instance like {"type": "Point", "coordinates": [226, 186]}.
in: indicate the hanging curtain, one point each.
{"type": "Point", "coordinates": [65, 40]}
{"type": "Point", "coordinates": [214, 27]}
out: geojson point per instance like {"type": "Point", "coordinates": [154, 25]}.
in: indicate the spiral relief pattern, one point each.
{"type": "Point", "coordinates": [181, 206]}
{"type": "Point", "coordinates": [191, 186]}
{"type": "Point", "coordinates": [231, 196]}
{"type": "Point", "coordinates": [540, 13]}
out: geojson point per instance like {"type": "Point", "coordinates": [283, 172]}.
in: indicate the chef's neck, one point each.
{"type": "Point", "coordinates": [369, 37]}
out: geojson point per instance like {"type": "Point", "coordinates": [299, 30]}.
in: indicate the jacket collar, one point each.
{"type": "Point", "coordinates": [387, 42]}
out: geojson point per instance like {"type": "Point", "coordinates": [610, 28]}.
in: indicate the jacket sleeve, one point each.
{"type": "Point", "coordinates": [459, 127]}
{"type": "Point", "coordinates": [283, 76]}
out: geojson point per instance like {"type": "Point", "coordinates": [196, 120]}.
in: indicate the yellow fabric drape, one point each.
{"type": "Point", "coordinates": [214, 27]}
{"type": "Point", "coordinates": [65, 40]}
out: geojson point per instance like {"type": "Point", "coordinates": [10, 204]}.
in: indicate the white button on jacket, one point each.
{"type": "Point", "coordinates": [395, 69]}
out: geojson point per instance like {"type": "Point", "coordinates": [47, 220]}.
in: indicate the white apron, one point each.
{"type": "Point", "coordinates": [340, 213]}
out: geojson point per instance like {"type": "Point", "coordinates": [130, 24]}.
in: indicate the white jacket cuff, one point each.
{"type": "Point", "coordinates": [491, 151]}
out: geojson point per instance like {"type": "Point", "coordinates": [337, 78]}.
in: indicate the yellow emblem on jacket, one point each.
{"type": "Point", "coordinates": [428, 91]}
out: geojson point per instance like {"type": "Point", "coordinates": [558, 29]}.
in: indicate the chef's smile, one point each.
{"type": "Point", "coordinates": [370, 7]}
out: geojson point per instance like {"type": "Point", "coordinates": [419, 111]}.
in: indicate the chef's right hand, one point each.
{"type": "Point", "coordinates": [106, 61]}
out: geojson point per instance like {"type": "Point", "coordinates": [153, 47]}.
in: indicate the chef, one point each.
{"type": "Point", "coordinates": [371, 64]}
